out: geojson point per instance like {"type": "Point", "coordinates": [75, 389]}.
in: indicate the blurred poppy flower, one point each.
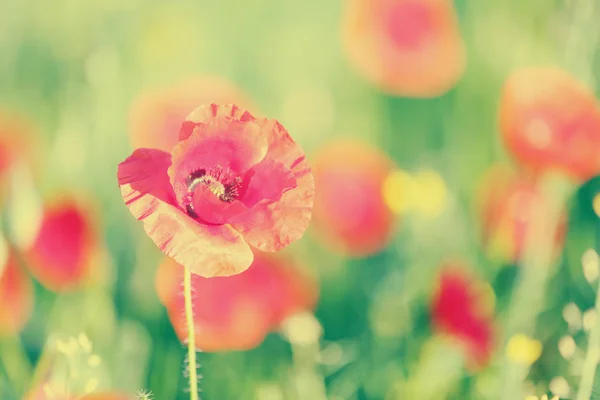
{"type": "Point", "coordinates": [16, 144]}
{"type": "Point", "coordinates": [156, 116]}
{"type": "Point", "coordinates": [106, 396]}
{"type": "Point", "coordinates": [551, 121]}
{"type": "Point", "coordinates": [350, 210]}
{"type": "Point", "coordinates": [237, 312]}
{"type": "Point", "coordinates": [232, 181]}
{"type": "Point", "coordinates": [16, 294]}
{"type": "Point", "coordinates": [407, 47]}
{"type": "Point", "coordinates": [62, 252]}
{"type": "Point", "coordinates": [462, 309]}
{"type": "Point", "coordinates": [506, 205]}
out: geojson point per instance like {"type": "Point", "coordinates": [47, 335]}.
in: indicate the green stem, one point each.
{"type": "Point", "coordinates": [189, 316]}
{"type": "Point", "coordinates": [16, 362]}
{"type": "Point", "coordinates": [591, 358]}
{"type": "Point", "coordinates": [528, 298]}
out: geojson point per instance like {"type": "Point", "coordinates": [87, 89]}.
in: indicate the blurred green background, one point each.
{"type": "Point", "coordinates": [74, 68]}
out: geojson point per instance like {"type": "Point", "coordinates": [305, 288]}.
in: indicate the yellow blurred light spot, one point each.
{"type": "Point", "coordinates": [399, 189]}
{"type": "Point", "coordinates": [559, 387]}
{"type": "Point", "coordinates": [91, 385]}
{"type": "Point", "coordinates": [94, 360]}
{"type": "Point", "coordinates": [572, 314]}
{"type": "Point", "coordinates": [523, 350]}
{"type": "Point", "coordinates": [48, 391]}
{"type": "Point", "coordinates": [432, 194]}
{"type": "Point", "coordinates": [302, 329]}
{"type": "Point", "coordinates": [531, 398]}
{"type": "Point", "coordinates": [84, 342]}
{"type": "Point", "coordinates": [567, 346]}
{"type": "Point", "coordinates": [589, 319]}
{"type": "Point", "coordinates": [596, 204]}
{"type": "Point", "coordinates": [591, 265]}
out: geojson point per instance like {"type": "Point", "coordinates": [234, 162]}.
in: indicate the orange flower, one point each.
{"type": "Point", "coordinates": [551, 121]}
{"type": "Point", "coordinates": [507, 201]}
{"type": "Point", "coordinates": [156, 117]}
{"type": "Point", "coordinates": [63, 250]}
{"type": "Point", "coordinates": [236, 312]}
{"type": "Point", "coordinates": [406, 47]}
{"type": "Point", "coordinates": [16, 144]}
{"type": "Point", "coordinates": [350, 212]}
{"type": "Point", "coordinates": [16, 295]}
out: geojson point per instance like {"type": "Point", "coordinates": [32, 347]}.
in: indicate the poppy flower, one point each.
{"type": "Point", "coordinates": [232, 181]}
{"type": "Point", "coordinates": [63, 250]}
{"type": "Point", "coordinates": [350, 211]}
{"type": "Point", "coordinates": [156, 116]}
{"type": "Point", "coordinates": [237, 312]}
{"type": "Point", "coordinates": [549, 120]}
{"type": "Point", "coordinates": [16, 145]}
{"type": "Point", "coordinates": [16, 294]}
{"type": "Point", "coordinates": [461, 309]}
{"type": "Point", "coordinates": [507, 201]}
{"type": "Point", "coordinates": [406, 47]}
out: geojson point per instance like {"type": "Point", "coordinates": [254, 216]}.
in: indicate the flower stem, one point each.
{"type": "Point", "coordinates": [591, 358]}
{"type": "Point", "coordinates": [537, 261]}
{"type": "Point", "coordinates": [191, 343]}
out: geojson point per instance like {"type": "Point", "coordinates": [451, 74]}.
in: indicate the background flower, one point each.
{"type": "Point", "coordinates": [237, 312]}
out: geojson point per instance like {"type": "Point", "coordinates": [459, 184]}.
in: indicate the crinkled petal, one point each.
{"type": "Point", "coordinates": [232, 145]}
{"type": "Point", "coordinates": [207, 250]}
{"type": "Point", "coordinates": [275, 222]}
{"type": "Point", "coordinates": [212, 210]}
{"type": "Point", "coordinates": [205, 115]}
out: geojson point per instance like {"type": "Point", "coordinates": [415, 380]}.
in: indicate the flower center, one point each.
{"type": "Point", "coordinates": [221, 182]}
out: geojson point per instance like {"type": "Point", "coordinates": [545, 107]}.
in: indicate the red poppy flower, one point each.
{"type": "Point", "coordinates": [350, 212]}
{"type": "Point", "coordinates": [407, 47]}
{"type": "Point", "coordinates": [506, 205]}
{"type": "Point", "coordinates": [459, 309]}
{"type": "Point", "coordinates": [237, 312]}
{"type": "Point", "coordinates": [551, 121]}
{"type": "Point", "coordinates": [232, 181]}
{"type": "Point", "coordinates": [16, 295]}
{"type": "Point", "coordinates": [156, 117]}
{"type": "Point", "coordinates": [62, 253]}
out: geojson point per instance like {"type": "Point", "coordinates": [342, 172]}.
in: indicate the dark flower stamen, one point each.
{"type": "Point", "coordinates": [222, 183]}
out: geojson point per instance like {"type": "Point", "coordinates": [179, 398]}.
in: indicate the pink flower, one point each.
{"type": "Point", "coordinates": [350, 213]}
{"type": "Point", "coordinates": [62, 253]}
{"type": "Point", "coordinates": [551, 121]}
{"type": "Point", "coordinates": [231, 182]}
{"type": "Point", "coordinates": [237, 312]}
{"type": "Point", "coordinates": [155, 117]}
{"type": "Point", "coordinates": [507, 202]}
{"type": "Point", "coordinates": [461, 309]}
{"type": "Point", "coordinates": [405, 47]}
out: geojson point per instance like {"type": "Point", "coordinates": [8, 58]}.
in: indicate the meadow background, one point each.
{"type": "Point", "coordinates": [73, 70]}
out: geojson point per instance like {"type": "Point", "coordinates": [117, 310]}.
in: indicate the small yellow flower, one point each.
{"type": "Point", "coordinates": [523, 350]}
{"type": "Point", "coordinates": [399, 189]}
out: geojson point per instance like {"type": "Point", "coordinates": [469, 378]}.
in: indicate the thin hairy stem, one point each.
{"type": "Point", "coordinates": [189, 316]}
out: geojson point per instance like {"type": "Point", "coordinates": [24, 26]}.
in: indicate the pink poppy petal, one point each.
{"type": "Point", "coordinates": [144, 181]}
{"type": "Point", "coordinates": [207, 250]}
{"type": "Point", "coordinates": [233, 146]}
{"type": "Point", "coordinates": [212, 210]}
{"type": "Point", "coordinates": [267, 181]}
{"type": "Point", "coordinates": [207, 114]}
